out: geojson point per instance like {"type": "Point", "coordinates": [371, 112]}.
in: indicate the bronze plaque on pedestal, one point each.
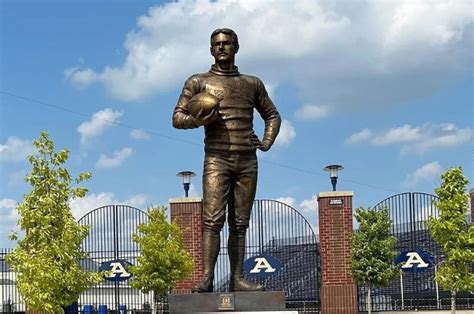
{"type": "Point", "coordinates": [226, 302]}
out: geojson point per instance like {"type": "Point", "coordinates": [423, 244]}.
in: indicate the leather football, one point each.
{"type": "Point", "coordinates": [204, 101]}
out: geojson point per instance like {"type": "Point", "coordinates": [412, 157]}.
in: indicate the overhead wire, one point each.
{"type": "Point", "coordinates": [130, 127]}
{"type": "Point", "coordinates": [172, 138]}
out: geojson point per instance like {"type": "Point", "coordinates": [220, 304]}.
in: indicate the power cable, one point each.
{"type": "Point", "coordinates": [325, 175]}
{"type": "Point", "coordinates": [172, 138]}
{"type": "Point", "coordinates": [105, 120]}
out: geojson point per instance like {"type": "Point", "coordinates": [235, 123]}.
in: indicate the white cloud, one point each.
{"type": "Point", "coordinates": [287, 200]}
{"type": "Point", "coordinates": [82, 206]}
{"type": "Point", "coordinates": [309, 208]}
{"type": "Point", "coordinates": [423, 213]}
{"type": "Point", "coordinates": [139, 134]}
{"type": "Point", "coordinates": [70, 71]}
{"type": "Point", "coordinates": [81, 77]}
{"type": "Point", "coordinates": [138, 200]}
{"type": "Point", "coordinates": [79, 206]}
{"type": "Point", "coordinates": [427, 173]}
{"type": "Point", "coordinates": [359, 137]}
{"type": "Point", "coordinates": [439, 137]}
{"type": "Point", "coordinates": [310, 112]}
{"type": "Point", "coordinates": [415, 139]}
{"type": "Point", "coordinates": [351, 55]}
{"type": "Point", "coordinates": [193, 192]}
{"type": "Point", "coordinates": [310, 205]}
{"type": "Point", "coordinates": [403, 134]}
{"type": "Point", "coordinates": [7, 203]}
{"type": "Point", "coordinates": [306, 206]}
{"type": "Point", "coordinates": [100, 121]}
{"type": "Point", "coordinates": [9, 219]}
{"type": "Point", "coordinates": [271, 88]}
{"type": "Point", "coordinates": [116, 160]}
{"type": "Point", "coordinates": [16, 149]}
{"type": "Point", "coordinates": [409, 15]}
{"type": "Point", "coordinates": [287, 134]}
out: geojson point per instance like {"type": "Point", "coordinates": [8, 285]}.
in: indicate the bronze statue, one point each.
{"type": "Point", "coordinates": [230, 164]}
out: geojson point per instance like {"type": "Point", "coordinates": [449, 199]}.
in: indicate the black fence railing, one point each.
{"type": "Point", "coordinates": [110, 239]}
{"type": "Point", "coordinates": [10, 300]}
{"type": "Point", "coordinates": [276, 229]}
{"type": "Point", "coordinates": [282, 232]}
{"type": "Point", "coordinates": [413, 290]}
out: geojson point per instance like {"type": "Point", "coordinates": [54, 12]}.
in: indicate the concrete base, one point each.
{"type": "Point", "coordinates": [227, 302]}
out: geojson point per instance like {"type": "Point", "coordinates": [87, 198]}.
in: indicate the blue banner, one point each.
{"type": "Point", "coordinates": [117, 270]}
{"type": "Point", "coordinates": [415, 261]}
{"type": "Point", "coordinates": [262, 266]}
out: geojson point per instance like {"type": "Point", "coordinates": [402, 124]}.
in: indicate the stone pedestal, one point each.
{"type": "Point", "coordinates": [338, 291]}
{"type": "Point", "coordinates": [227, 301]}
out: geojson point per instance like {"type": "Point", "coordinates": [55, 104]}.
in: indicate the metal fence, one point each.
{"type": "Point", "coordinates": [10, 297]}
{"type": "Point", "coordinates": [279, 230]}
{"type": "Point", "coordinates": [413, 290]}
{"type": "Point", "coordinates": [276, 229]}
{"type": "Point", "coordinates": [110, 239]}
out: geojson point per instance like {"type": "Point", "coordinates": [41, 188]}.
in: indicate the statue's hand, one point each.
{"type": "Point", "coordinates": [258, 144]}
{"type": "Point", "coordinates": [205, 120]}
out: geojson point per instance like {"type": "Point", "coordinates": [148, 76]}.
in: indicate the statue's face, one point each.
{"type": "Point", "coordinates": [222, 48]}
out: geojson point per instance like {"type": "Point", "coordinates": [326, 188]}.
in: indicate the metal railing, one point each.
{"type": "Point", "coordinates": [413, 290]}
{"type": "Point", "coordinates": [10, 300]}
{"type": "Point", "coordinates": [279, 230]}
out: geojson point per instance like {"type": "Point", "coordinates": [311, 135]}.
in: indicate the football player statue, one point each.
{"type": "Point", "coordinates": [226, 101]}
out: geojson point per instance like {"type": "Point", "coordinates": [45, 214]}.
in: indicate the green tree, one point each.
{"type": "Point", "coordinates": [163, 260]}
{"type": "Point", "coordinates": [46, 261]}
{"type": "Point", "coordinates": [453, 233]}
{"type": "Point", "coordinates": [373, 253]}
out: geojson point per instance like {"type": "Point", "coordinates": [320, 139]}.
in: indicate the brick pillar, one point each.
{"type": "Point", "coordinates": [187, 212]}
{"type": "Point", "coordinates": [471, 193]}
{"type": "Point", "coordinates": [338, 290]}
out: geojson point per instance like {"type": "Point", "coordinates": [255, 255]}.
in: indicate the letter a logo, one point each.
{"type": "Point", "coordinates": [414, 258]}
{"type": "Point", "coordinates": [117, 268]}
{"type": "Point", "coordinates": [262, 263]}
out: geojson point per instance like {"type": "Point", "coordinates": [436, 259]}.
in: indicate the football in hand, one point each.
{"type": "Point", "coordinates": [204, 101]}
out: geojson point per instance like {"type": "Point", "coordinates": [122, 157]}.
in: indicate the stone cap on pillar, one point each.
{"type": "Point", "coordinates": [471, 191]}
{"type": "Point", "coordinates": [335, 194]}
{"type": "Point", "coordinates": [181, 200]}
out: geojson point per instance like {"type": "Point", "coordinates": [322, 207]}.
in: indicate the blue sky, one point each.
{"type": "Point", "coordinates": [384, 88]}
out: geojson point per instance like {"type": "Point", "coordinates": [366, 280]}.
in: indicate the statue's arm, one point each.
{"type": "Point", "coordinates": [269, 114]}
{"type": "Point", "coordinates": [181, 117]}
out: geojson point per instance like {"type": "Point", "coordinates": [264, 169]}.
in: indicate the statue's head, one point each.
{"type": "Point", "coordinates": [224, 45]}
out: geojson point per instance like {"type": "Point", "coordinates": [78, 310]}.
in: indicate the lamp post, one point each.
{"type": "Point", "coordinates": [333, 170]}
{"type": "Point", "coordinates": [186, 175]}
